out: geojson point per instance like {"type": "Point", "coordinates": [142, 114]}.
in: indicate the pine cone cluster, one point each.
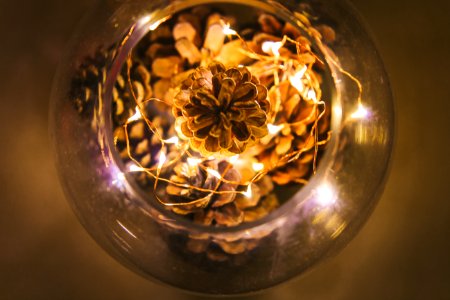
{"type": "Point", "coordinates": [178, 46]}
{"type": "Point", "coordinates": [220, 210]}
{"type": "Point", "coordinates": [222, 110]}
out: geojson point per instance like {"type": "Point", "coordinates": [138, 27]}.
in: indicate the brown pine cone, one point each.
{"type": "Point", "coordinates": [219, 210]}
{"type": "Point", "coordinates": [209, 209]}
{"type": "Point", "coordinates": [221, 110]}
{"type": "Point", "coordinates": [301, 114]}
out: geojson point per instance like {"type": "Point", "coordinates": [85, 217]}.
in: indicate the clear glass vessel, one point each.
{"type": "Point", "coordinates": [312, 224]}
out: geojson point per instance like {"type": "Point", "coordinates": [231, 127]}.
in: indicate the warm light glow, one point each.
{"type": "Point", "coordinates": [325, 195]}
{"type": "Point", "coordinates": [156, 24]}
{"type": "Point", "coordinates": [360, 113]}
{"type": "Point", "coordinates": [234, 159]}
{"type": "Point", "coordinates": [145, 20]}
{"type": "Point", "coordinates": [173, 140]}
{"type": "Point", "coordinates": [274, 129]}
{"type": "Point", "coordinates": [137, 116]}
{"type": "Point", "coordinates": [162, 159]}
{"type": "Point", "coordinates": [272, 48]}
{"type": "Point", "coordinates": [214, 173]}
{"type": "Point", "coordinates": [312, 95]}
{"type": "Point", "coordinates": [248, 193]}
{"type": "Point", "coordinates": [297, 79]}
{"type": "Point", "coordinates": [193, 162]}
{"type": "Point", "coordinates": [135, 168]}
{"type": "Point", "coordinates": [258, 166]}
{"type": "Point", "coordinates": [227, 30]}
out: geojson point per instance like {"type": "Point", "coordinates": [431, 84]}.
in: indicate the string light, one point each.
{"type": "Point", "coordinates": [297, 79]}
{"type": "Point", "coordinates": [193, 162]}
{"type": "Point", "coordinates": [248, 192]}
{"type": "Point", "coordinates": [227, 30]}
{"type": "Point", "coordinates": [312, 95]}
{"type": "Point", "coordinates": [303, 79]}
{"type": "Point", "coordinates": [162, 159]}
{"type": "Point", "coordinates": [274, 129]}
{"type": "Point", "coordinates": [257, 166]}
{"type": "Point", "coordinates": [136, 117]}
{"type": "Point", "coordinates": [234, 159]}
{"type": "Point", "coordinates": [214, 173]}
{"type": "Point", "coordinates": [360, 113]}
{"type": "Point", "coordinates": [272, 48]}
{"type": "Point", "coordinates": [134, 168]}
{"type": "Point", "coordinates": [173, 140]}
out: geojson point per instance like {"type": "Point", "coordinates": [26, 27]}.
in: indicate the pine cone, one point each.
{"type": "Point", "coordinates": [222, 110]}
{"type": "Point", "coordinates": [302, 113]}
{"type": "Point", "coordinates": [223, 210]}
{"type": "Point", "coordinates": [214, 210]}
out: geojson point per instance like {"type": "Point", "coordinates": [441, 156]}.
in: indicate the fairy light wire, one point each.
{"type": "Point", "coordinates": [276, 63]}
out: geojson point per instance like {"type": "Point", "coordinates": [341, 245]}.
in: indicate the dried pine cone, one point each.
{"type": "Point", "coordinates": [302, 115]}
{"type": "Point", "coordinates": [221, 110]}
{"type": "Point", "coordinates": [219, 210]}
{"type": "Point", "coordinates": [208, 209]}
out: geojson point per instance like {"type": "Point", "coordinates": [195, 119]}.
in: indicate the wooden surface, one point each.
{"type": "Point", "coordinates": [401, 253]}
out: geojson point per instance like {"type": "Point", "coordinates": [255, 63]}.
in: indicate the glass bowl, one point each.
{"type": "Point", "coordinates": [312, 223]}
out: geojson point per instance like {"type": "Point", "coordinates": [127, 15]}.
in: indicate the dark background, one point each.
{"type": "Point", "coordinates": [401, 253]}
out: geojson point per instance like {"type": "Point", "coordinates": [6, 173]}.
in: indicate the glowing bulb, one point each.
{"type": "Point", "coordinates": [325, 195]}
{"type": "Point", "coordinates": [312, 95]}
{"type": "Point", "coordinates": [214, 173]}
{"type": "Point", "coordinates": [296, 80]}
{"type": "Point", "coordinates": [193, 162]}
{"type": "Point", "coordinates": [162, 159]}
{"type": "Point", "coordinates": [173, 140]}
{"type": "Point", "coordinates": [135, 168]}
{"type": "Point", "coordinates": [227, 30]}
{"type": "Point", "coordinates": [274, 129]}
{"type": "Point", "coordinates": [272, 48]}
{"type": "Point", "coordinates": [258, 167]}
{"type": "Point", "coordinates": [234, 159]}
{"type": "Point", "coordinates": [137, 116]}
{"type": "Point", "coordinates": [248, 192]}
{"type": "Point", "coordinates": [360, 113]}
